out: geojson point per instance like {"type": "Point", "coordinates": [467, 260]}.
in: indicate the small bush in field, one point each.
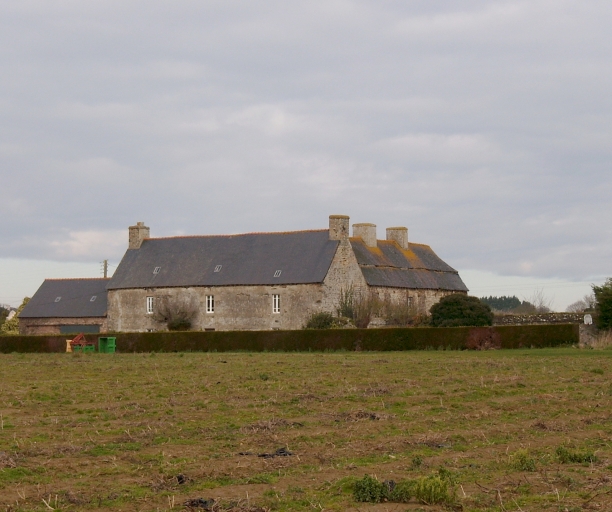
{"type": "Point", "coordinates": [432, 490]}
{"type": "Point", "coordinates": [369, 490]}
{"type": "Point", "coordinates": [567, 456]}
{"type": "Point", "coordinates": [522, 461]}
{"type": "Point", "coordinates": [402, 492]}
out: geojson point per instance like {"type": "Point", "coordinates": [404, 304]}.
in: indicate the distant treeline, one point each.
{"type": "Point", "coordinates": [505, 303]}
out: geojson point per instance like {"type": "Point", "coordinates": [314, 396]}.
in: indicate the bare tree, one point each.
{"type": "Point", "coordinates": [358, 306]}
{"type": "Point", "coordinates": [587, 302]}
{"type": "Point", "coordinates": [176, 312]}
{"type": "Point", "coordinates": [540, 302]}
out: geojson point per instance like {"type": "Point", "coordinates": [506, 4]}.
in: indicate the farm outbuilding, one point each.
{"type": "Point", "coordinates": [66, 306]}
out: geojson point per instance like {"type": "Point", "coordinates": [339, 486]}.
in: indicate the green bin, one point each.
{"type": "Point", "coordinates": [89, 348]}
{"type": "Point", "coordinates": [77, 348]}
{"type": "Point", "coordinates": [107, 345]}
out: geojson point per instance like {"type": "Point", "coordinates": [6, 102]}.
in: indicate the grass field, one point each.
{"type": "Point", "coordinates": [523, 430]}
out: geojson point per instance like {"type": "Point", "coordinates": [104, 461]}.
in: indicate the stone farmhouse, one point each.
{"type": "Point", "coordinates": [263, 281]}
{"type": "Point", "coordinates": [66, 306]}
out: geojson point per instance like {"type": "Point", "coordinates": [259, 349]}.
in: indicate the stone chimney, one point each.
{"type": "Point", "coordinates": [400, 235]}
{"type": "Point", "coordinates": [367, 232]}
{"type": "Point", "coordinates": [137, 234]}
{"type": "Point", "coordinates": [339, 227]}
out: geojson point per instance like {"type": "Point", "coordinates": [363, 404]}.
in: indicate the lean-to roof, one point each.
{"type": "Point", "coordinates": [68, 298]}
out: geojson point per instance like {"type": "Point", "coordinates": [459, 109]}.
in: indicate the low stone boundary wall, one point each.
{"type": "Point", "coordinates": [539, 319]}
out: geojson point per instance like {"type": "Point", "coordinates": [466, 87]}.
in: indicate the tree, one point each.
{"type": "Point", "coordinates": [587, 303]}
{"type": "Point", "coordinates": [12, 326]}
{"type": "Point", "coordinates": [458, 309]}
{"type": "Point", "coordinates": [4, 311]}
{"type": "Point", "coordinates": [603, 309]}
{"type": "Point", "coordinates": [540, 302]}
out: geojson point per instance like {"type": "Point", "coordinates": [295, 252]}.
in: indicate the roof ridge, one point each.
{"type": "Point", "coordinates": [77, 279]}
{"type": "Point", "coordinates": [239, 234]}
{"type": "Point", "coordinates": [389, 241]}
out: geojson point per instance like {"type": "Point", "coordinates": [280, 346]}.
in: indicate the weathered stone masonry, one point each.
{"type": "Point", "coordinates": [249, 306]}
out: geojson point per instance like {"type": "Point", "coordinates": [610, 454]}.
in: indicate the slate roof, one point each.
{"type": "Point", "coordinates": [248, 259]}
{"type": "Point", "coordinates": [75, 299]}
{"type": "Point", "coordinates": [416, 268]}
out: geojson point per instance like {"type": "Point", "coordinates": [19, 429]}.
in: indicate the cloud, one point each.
{"type": "Point", "coordinates": [433, 148]}
{"type": "Point", "coordinates": [80, 245]}
{"type": "Point", "coordinates": [482, 126]}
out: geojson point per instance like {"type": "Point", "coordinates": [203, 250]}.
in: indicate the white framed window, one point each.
{"type": "Point", "coordinates": [57, 299]}
{"type": "Point", "coordinates": [210, 303]}
{"type": "Point", "coordinates": [93, 298]}
{"type": "Point", "coordinates": [156, 270]}
{"type": "Point", "coordinates": [149, 305]}
{"type": "Point", "coordinates": [218, 268]}
{"type": "Point", "coordinates": [277, 273]}
{"type": "Point", "coordinates": [275, 303]}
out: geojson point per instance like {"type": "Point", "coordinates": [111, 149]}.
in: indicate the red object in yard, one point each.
{"type": "Point", "coordinates": [80, 341]}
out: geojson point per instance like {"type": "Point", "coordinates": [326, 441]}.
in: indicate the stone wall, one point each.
{"type": "Point", "coordinates": [236, 307]}
{"type": "Point", "coordinates": [422, 300]}
{"type": "Point", "coordinates": [38, 326]}
{"type": "Point", "coordinates": [539, 318]}
{"type": "Point", "coordinates": [343, 274]}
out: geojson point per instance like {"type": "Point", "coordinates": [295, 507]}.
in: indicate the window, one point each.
{"type": "Point", "coordinates": [275, 303]}
{"type": "Point", "coordinates": [57, 299]}
{"type": "Point", "coordinates": [210, 303]}
{"type": "Point", "coordinates": [277, 273]}
{"type": "Point", "coordinates": [93, 298]}
{"type": "Point", "coordinates": [156, 270]}
{"type": "Point", "coordinates": [149, 305]}
{"type": "Point", "coordinates": [218, 268]}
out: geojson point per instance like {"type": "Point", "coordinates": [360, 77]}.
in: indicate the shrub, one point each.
{"type": "Point", "coordinates": [321, 320]}
{"type": "Point", "coordinates": [522, 461]}
{"type": "Point", "coordinates": [432, 489]}
{"type": "Point", "coordinates": [179, 324]}
{"type": "Point", "coordinates": [370, 490]}
{"type": "Point", "coordinates": [460, 310]}
{"type": "Point", "coordinates": [176, 312]}
{"type": "Point", "coordinates": [346, 304]}
{"type": "Point", "coordinates": [603, 309]}
{"type": "Point", "coordinates": [402, 313]}
{"type": "Point", "coordinates": [402, 492]}
{"type": "Point", "coordinates": [567, 456]}
{"type": "Point", "coordinates": [358, 307]}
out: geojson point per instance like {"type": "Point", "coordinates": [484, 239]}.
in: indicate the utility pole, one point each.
{"type": "Point", "coordinates": [105, 268]}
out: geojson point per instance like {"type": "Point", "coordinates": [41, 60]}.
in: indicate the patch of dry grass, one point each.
{"type": "Point", "coordinates": [602, 341]}
{"type": "Point", "coordinates": [157, 431]}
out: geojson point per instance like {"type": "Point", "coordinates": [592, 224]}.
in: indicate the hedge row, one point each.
{"type": "Point", "coordinates": [450, 338]}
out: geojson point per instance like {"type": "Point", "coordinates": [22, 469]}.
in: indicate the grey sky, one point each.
{"type": "Point", "coordinates": [483, 126]}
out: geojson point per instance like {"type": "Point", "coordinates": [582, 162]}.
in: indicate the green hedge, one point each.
{"type": "Point", "coordinates": [419, 338]}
